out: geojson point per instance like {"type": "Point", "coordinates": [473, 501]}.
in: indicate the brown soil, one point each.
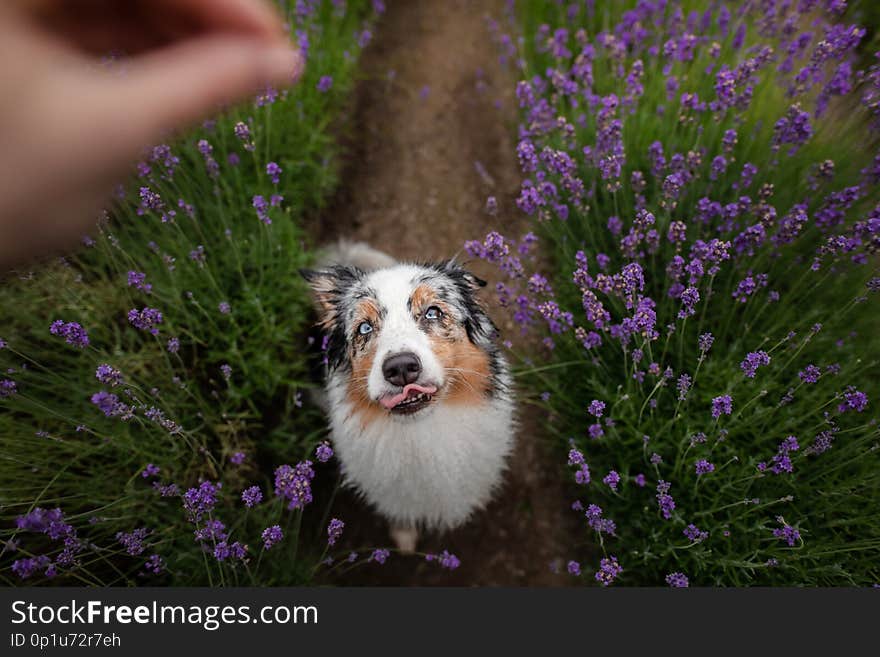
{"type": "Point", "coordinates": [433, 120]}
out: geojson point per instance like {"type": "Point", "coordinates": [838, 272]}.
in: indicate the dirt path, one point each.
{"type": "Point", "coordinates": [433, 120]}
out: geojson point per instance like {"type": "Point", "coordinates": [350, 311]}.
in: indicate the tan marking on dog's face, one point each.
{"type": "Point", "coordinates": [362, 354]}
{"type": "Point", "coordinates": [467, 366]}
{"type": "Point", "coordinates": [366, 310]}
{"type": "Point", "coordinates": [421, 298]}
{"type": "Point", "coordinates": [367, 409]}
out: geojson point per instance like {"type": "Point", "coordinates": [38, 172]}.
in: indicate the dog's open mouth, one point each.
{"type": "Point", "coordinates": [411, 399]}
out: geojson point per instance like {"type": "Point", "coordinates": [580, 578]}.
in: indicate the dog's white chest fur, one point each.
{"type": "Point", "coordinates": [432, 471]}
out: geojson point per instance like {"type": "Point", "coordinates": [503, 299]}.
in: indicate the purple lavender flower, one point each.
{"type": "Point", "coordinates": [173, 345]}
{"type": "Point", "coordinates": [794, 128]}
{"type": "Point", "coordinates": [665, 501]}
{"type": "Point", "coordinates": [150, 200]}
{"type": "Point", "coordinates": [595, 519]}
{"type": "Point", "coordinates": [146, 319]}
{"type": "Point", "coordinates": [786, 532]}
{"type": "Point", "coordinates": [596, 408]}
{"type": "Point", "coordinates": [72, 332]}
{"type": "Point", "coordinates": [781, 461]}
{"type": "Point", "coordinates": [334, 530]}
{"type": "Point", "coordinates": [704, 467]}
{"type": "Point", "coordinates": [810, 374]}
{"type": "Point", "coordinates": [110, 405]}
{"type": "Point", "coordinates": [133, 541]}
{"type": "Point", "coordinates": [211, 532]}
{"type": "Point", "coordinates": [8, 388]}
{"type": "Point", "coordinates": [722, 405]}
{"type": "Point", "coordinates": [677, 580]}
{"type": "Point", "coordinates": [695, 534]}
{"type": "Point", "coordinates": [28, 567]}
{"type": "Point", "coordinates": [611, 480]}
{"type": "Point", "coordinates": [719, 166]}
{"type": "Point", "coordinates": [271, 536]}
{"type": "Point", "coordinates": [683, 384]}
{"type": "Point", "coordinates": [201, 500]}
{"type": "Point", "coordinates": [690, 297]}
{"type": "Point", "coordinates": [294, 484]}
{"type": "Point", "coordinates": [224, 551]}
{"type": "Point", "coordinates": [224, 308]}
{"type": "Point", "coordinates": [744, 289]}
{"type": "Point", "coordinates": [274, 172]}
{"type": "Point", "coordinates": [853, 400]}
{"type": "Point", "coordinates": [166, 490]}
{"type": "Point", "coordinates": [226, 371]}
{"type": "Point", "coordinates": [574, 568]}
{"type": "Point", "coordinates": [197, 255]}
{"type": "Point", "coordinates": [50, 522]}
{"type": "Point", "coordinates": [639, 480]}
{"type": "Point", "coordinates": [822, 442]}
{"type": "Point", "coordinates": [448, 560]}
{"type": "Point", "coordinates": [154, 564]}
{"type": "Point", "coordinates": [379, 555]}
{"type": "Point", "coordinates": [108, 375]}
{"type": "Point", "coordinates": [243, 133]}
{"type": "Point", "coordinates": [325, 83]}
{"type": "Point", "coordinates": [609, 570]}
{"type": "Point", "coordinates": [252, 496]}
{"type": "Point", "coordinates": [237, 458]}
{"type": "Point", "coordinates": [324, 452]}
{"type": "Point", "coordinates": [705, 342]}
{"type": "Point", "coordinates": [151, 470]}
{"type": "Point", "coordinates": [753, 361]}
{"type": "Point", "coordinates": [269, 95]}
{"type": "Point", "coordinates": [262, 208]}
{"type": "Point", "coordinates": [138, 280]}
{"type": "Point", "coordinates": [582, 475]}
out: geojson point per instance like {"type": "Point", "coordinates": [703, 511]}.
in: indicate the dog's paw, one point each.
{"type": "Point", "coordinates": [405, 538]}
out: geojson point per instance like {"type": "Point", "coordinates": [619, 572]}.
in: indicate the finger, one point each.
{"type": "Point", "coordinates": [254, 17]}
{"type": "Point", "coordinates": [168, 89]}
{"type": "Point", "coordinates": [99, 26]}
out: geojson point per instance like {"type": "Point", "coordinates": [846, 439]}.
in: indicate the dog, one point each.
{"type": "Point", "coordinates": [418, 393]}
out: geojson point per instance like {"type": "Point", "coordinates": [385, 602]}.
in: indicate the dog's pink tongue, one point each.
{"type": "Point", "coordinates": [390, 402]}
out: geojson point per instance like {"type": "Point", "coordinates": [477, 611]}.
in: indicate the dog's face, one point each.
{"type": "Point", "coordinates": [406, 338]}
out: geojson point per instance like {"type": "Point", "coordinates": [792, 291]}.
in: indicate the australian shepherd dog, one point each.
{"type": "Point", "coordinates": [417, 392]}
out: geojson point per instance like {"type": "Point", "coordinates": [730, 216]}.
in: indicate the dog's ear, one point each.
{"type": "Point", "coordinates": [459, 273]}
{"type": "Point", "coordinates": [328, 286]}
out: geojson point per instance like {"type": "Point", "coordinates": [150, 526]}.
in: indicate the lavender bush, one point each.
{"type": "Point", "coordinates": [702, 280]}
{"type": "Point", "coordinates": [153, 382]}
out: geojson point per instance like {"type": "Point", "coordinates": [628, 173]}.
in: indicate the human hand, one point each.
{"type": "Point", "coordinates": [70, 126]}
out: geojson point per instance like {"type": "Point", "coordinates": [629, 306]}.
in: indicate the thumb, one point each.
{"type": "Point", "coordinates": [171, 88]}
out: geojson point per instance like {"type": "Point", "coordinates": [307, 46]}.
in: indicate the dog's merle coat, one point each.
{"type": "Point", "coordinates": [434, 466]}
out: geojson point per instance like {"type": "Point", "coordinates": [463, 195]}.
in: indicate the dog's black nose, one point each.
{"type": "Point", "coordinates": [402, 369]}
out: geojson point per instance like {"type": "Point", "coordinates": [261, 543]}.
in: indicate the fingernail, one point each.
{"type": "Point", "coordinates": [285, 64]}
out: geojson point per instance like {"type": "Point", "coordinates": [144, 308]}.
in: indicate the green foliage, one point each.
{"type": "Point", "coordinates": [831, 497]}
{"type": "Point", "coordinates": [59, 450]}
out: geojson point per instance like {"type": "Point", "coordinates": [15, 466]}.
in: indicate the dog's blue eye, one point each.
{"type": "Point", "coordinates": [433, 313]}
{"type": "Point", "coordinates": [365, 328]}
